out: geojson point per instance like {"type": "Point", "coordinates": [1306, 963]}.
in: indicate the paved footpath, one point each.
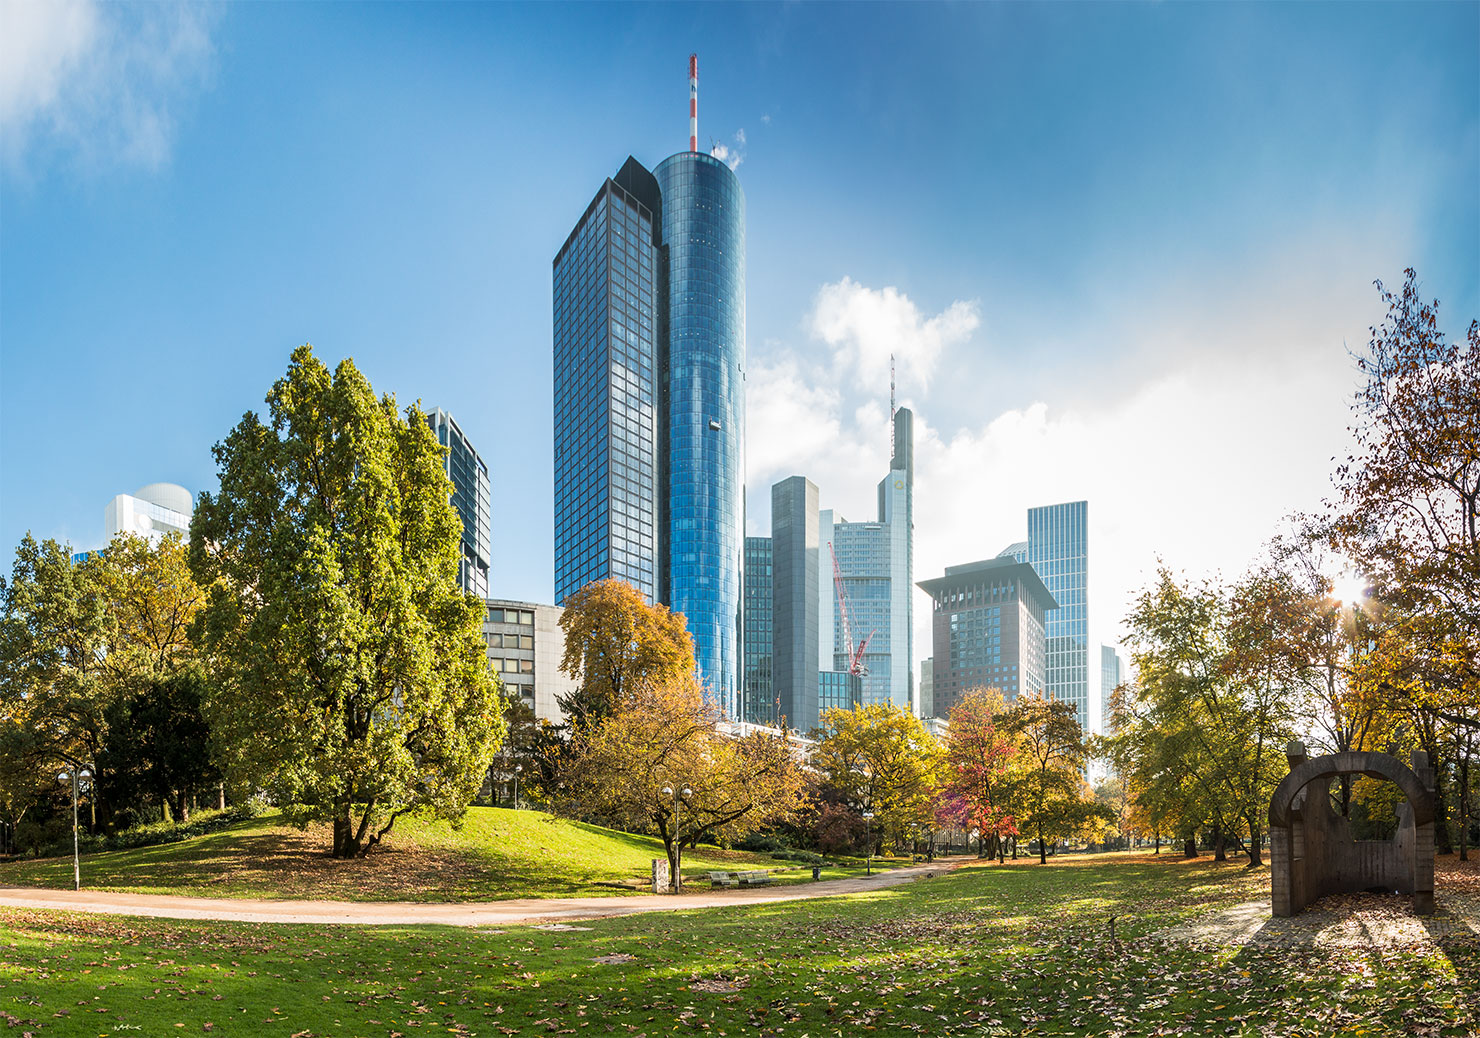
{"type": "Point", "coordinates": [479, 913]}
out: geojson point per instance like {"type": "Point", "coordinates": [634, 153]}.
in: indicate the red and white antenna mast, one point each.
{"type": "Point", "coordinates": [693, 102]}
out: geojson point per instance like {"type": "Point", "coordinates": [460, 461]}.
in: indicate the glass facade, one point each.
{"type": "Point", "coordinates": [877, 566]}
{"type": "Point", "coordinates": [649, 344]}
{"type": "Point", "coordinates": [1058, 549]}
{"type": "Point", "coordinates": [1111, 675]}
{"type": "Point", "coordinates": [703, 234]}
{"type": "Point", "coordinates": [757, 701]}
{"type": "Point", "coordinates": [606, 388]}
{"type": "Point", "coordinates": [838, 690]}
{"type": "Point", "coordinates": [472, 497]}
{"type": "Point", "coordinates": [863, 560]}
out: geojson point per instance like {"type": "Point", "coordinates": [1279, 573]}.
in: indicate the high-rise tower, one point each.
{"type": "Point", "coordinates": [472, 497]}
{"type": "Point", "coordinates": [649, 315]}
{"type": "Point", "coordinates": [1058, 548]}
{"type": "Point", "coordinates": [876, 566]}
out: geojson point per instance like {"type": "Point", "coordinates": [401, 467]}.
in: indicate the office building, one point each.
{"type": "Point", "coordinates": [649, 358]}
{"type": "Point", "coordinates": [1017, 552]}
{"type": "Point", "coordinates": [795, 572]}
{"type": "Point", "coordinates": [472, 496]}
{"type": "Point", "coordinates": [837, 690]}
{"type": "Point", "coordinates": [927, 688]}
{"type": "Point", "coordinates": [757, 700]}
{"type": "Point", "coordinates": [525, 644]}
{"type": "Point", "coordinates": [875, 562]}
{"type": "Point", "coordinates": [1058, 548]}
{"type": "Point", "coordinates": [988, 630]}
{"type": "Point", "coordinates": [1112, 673]}
{"type": "Point", "coordinates": [150, 512]}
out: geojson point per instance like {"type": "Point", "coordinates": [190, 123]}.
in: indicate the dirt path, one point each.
{"type": "Point", "coordinates": [483, 913]}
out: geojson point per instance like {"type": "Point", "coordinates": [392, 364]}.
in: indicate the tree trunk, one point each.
{"type": "Point", "coordinates": [1220, 848]}
{"type": "Point", "coordinates": [1042, 850]}
{"type": "Point", "coordinates": [344, 835]}
{"type": "Point", "coordinates": [1464, 808]}
{"type": "Point", "coordinates": [1189, 847]}
{"type": "Point", "coordinates": [221, 796]}
{"type": "Point", "coordinates": [1158, 842]}
{"type": "Point", "coordinates": [182, 798]}
{"type": "Point", "coordinates": [1255, 835]}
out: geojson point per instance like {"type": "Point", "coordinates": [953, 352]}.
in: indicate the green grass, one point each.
{"type": "Point", "coordinates": [987, 950]}
{"type": "Point", "coordinates": [496, 854]}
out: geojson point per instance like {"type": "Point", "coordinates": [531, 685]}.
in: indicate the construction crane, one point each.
{"type": "Point", "coordinates": [855, 653]}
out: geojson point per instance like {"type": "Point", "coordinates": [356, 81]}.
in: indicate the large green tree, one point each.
{"type": "Point", "coordinates": [351, 680]}
{"type": "Point", "coordinates": [1048, 794]}
{"type": "Point", "coordinates": [157, 748]}
{"type": "Point", "coordinates": [54, 682]}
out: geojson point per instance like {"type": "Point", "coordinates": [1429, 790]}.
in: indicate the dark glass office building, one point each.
{"type": "Point", "coordinates": [757, 700]}
{"type": "Point", "coordinates": [1058, 548]}
{"type": "Point", "coordinates": [472, 497]}
{"type": "Point", "coordinates": [649, 340]}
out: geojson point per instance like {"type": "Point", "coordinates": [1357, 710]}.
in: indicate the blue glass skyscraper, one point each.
{"type": "Point", "coordinates": [649, 341]}
{"type": "Point", "coordinates": [1058, 549]}
{"type": "Point", "coordinates": [704, 408]}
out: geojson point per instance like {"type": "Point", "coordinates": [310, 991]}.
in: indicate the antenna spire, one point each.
{"type": "Point", "coordinates": [693, 102]}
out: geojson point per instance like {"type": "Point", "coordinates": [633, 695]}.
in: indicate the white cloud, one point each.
{"type": "Point", "coordinates": [731, 155]}
{"type": "Point", "coordinates": [101, 83]}
{"type": "Point", "coordinates": [866, 326]}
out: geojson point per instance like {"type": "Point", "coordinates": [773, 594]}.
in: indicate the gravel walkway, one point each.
{"type": "Point", "coordinates": [485, 913]}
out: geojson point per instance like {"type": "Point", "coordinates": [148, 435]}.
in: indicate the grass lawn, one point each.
{"type": "Point", "coordinates": [986, 950]}
{"type": "Point", "coordinates": [498, 853]}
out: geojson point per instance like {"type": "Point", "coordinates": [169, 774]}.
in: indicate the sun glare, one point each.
{"type": "Point", "coordinates": [1349, 589]}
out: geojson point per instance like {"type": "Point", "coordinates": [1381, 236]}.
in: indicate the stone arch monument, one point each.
{"type": "Point", "coordinates": [1311, 846]}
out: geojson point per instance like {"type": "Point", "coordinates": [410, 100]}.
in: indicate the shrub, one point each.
{"type": "Point", "coordinates": [806, 857]}
{"type": "Point", "coordinates": [152, 833]}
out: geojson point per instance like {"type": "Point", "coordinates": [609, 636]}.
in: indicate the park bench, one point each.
{"type": "Point", "coordinates": [721, 879]}
{"type": "Point", "coordinates": [758, 878]}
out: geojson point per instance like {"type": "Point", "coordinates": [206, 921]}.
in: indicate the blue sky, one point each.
{"type": "Point", "coordinates": [1120, 249]}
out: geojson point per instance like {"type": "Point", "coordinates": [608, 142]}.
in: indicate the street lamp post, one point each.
{"type": "Point", "coordinates": [74, 777]}
{"type": "Point", "coordinates": [677, 840]}
{"type": "Point", "coordinates": [517, 769]}
{"type": "Point", "coordinates": [868, 839]}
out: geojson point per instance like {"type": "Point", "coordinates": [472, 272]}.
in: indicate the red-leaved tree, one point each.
{"type": "Point", "coordinates": [979, 758]}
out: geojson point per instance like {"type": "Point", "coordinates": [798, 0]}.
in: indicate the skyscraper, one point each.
{"type": "Point", "coordinates": [794, 590]}
{"type": "Point", "coordinates": [649, 341]}
{"type": "Point", "coordinates": [876, 563]}
{"type": "Point", "coordinates": [1058, 548]}
{"type": "Point", "coordinates": [1111, 675]}
{"type": "Point", "coordinates": [757, 700]}
{"type": "Point", "coordinates": [989, 631]}
{"type": "Point", "coordinates": [471, 496]}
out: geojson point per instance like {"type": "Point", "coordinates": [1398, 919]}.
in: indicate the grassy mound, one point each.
{"type": "Point", "coordinates": [496, 854]}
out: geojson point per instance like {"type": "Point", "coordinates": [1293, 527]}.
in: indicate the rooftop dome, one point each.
{"type": "Point", "coordinates": [167, 495]}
